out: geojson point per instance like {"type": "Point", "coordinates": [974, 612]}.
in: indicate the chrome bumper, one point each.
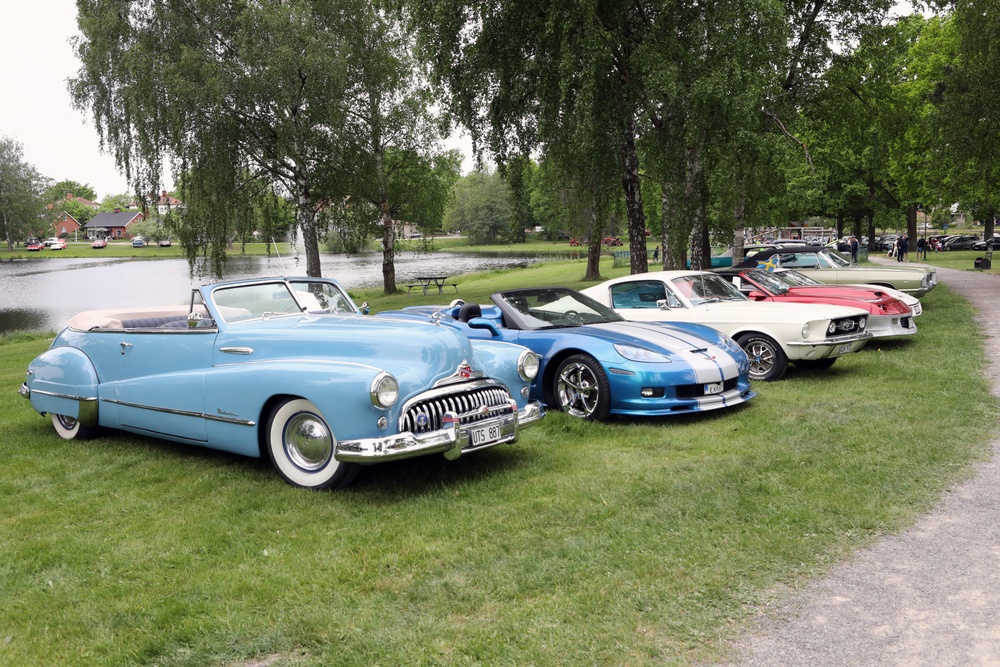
{"type": "Point", "coordinates": [829, 347]}
{"type": "Point", "coordinates": [24, 390]}
{"type": "Point", "coordinates": [452, 439]}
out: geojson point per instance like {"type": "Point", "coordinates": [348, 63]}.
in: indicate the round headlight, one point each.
{"type": "Point", "coordinates": [806, 330]}
{"type": "Point", "coordinates": [527, 365]}
{"type": "Point", "coordinates": [831, 328]}
{"type": "Point", "coordinates": [385, 391]}
{"type": "Point", "coordinates": [864, 321]}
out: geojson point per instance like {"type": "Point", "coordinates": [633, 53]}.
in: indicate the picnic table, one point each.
{"type": "Point", "coordinates": [426, 282]}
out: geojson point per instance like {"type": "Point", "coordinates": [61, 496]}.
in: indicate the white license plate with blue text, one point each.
{"type": "Point", "coordinates": [713, 388]}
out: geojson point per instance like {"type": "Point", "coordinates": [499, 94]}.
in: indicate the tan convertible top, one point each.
{"type": "Point", "coordinates": [112, 318]}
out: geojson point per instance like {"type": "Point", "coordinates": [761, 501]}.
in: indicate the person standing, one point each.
{"type": "Point", "coordinates": [900, 245]}
{"type": "Point", "coordinates": [854, 250]}
{"type": "Point", "coordinates": [656, 253]}
{"type": "Point", "coordinates": [921, 248]}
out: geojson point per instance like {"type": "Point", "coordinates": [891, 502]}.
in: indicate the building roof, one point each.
{"type": "Point", "coordinates": [117, 219]}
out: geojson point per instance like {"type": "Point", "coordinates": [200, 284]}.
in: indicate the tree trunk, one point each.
{"type": "Point", "coordinates": [674, 233]}
{"type": "Point", "coordinates": [594, 247]}
{"type": "Point", "coordinates": [989, 224]}
{"type": "Point", "coordinates": [388, 229]}
{"type": "Point", "coordinates": [633, 204]}
{"type": "Point", "coordinates": [871, 230]}
{"type": "Point", "coordinates": [306, 216]}
{"type": "Point", "coordinates": [911, 227]}
{"type": "Point", "coordinates": [739, 234]}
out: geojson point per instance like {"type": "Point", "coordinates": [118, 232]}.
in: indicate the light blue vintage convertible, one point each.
{"type": "Point", "coordinates": [289, 369]}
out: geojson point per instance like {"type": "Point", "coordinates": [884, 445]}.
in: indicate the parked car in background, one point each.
{"type": "Point", "coordinates": [887, 315]}
{"type": "Point", "coordinates": [33, 245]}
{"type": "Point", "coordinates": [595, 364]}
{"type": "Point", "coordinates": [287, 369]}
{"type": "Point", "coordinates": [793, 277]}
{"type": "Point", "coordinates": [963, 242]}
{"type": "Point", "coordinates": [828, 266]}
{"type": "Point", "coordinates": [57, 244]}
{"type": "Point", "coordinates": [990, 244]}
{"type": "Point", "coordinates": [99, 243]}
{"type": "Point", "coordinates": [138, 242]}
{"type": "Point", "coordinates": [49, 241]}
{"type": "Point", "coordinates": [772, 334]}
{"type": "Point", "coordinates": [164, 243]}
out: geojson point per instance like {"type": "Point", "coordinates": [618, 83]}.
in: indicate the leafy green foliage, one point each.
{"type": "Point", "coordinates": [483, 209]}
{"type": "Point", "coordinates": [21, 201]}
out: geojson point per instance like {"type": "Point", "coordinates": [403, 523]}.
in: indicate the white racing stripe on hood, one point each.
{"type": "Point", "coordinates": [710, 362]}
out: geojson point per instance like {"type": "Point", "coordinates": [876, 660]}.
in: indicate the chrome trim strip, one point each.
{"type": "Point", "coordinates": [183, 413]}
{"type": "Point", "coordinates": [53, 394]}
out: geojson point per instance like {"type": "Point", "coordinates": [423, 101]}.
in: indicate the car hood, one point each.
{"type": "Point", "coordinates": [689, 343]}
{"type": "Point", "coordinates": [409, 350]}
{"type": "Point", "coordinates": [871, 299]}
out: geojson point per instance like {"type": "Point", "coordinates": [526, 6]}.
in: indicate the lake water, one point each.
{"type": "Point", "coordinates": [43, 294]}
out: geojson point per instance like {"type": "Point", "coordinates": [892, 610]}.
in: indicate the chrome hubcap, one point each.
{"type": "Point", "coordinates": [67, 422]}
{"type": "Point", "coordinates": [307, 442]}
{"type": "Point", "coordinates": [761, 359]}
{"type": "Point", "coordinates": [577, 390]}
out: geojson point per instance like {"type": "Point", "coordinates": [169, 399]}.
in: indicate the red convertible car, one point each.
{"type": "Point", "coordinates": [889, 315]}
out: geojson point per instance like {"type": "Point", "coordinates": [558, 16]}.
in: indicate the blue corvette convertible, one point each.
{"type": "Point", "coordinates": [287, 369]}
{"type": "Point", "coordinates": [595, 364]}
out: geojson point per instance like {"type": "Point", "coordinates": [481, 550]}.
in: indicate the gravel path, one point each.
{"type": "Point", "coordinates": [929, 596]}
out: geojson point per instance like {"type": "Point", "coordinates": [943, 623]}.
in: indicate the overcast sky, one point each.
{"type": "Point", "coordinates": [36, 60]}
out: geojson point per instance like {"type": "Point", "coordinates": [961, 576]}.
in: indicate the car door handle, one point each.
{"type": "Point", "coordinates": [236, 350]}
{"type": "Point", "coordinates": [125, 346]}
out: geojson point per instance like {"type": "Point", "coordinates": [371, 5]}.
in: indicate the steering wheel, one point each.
{"type": "Point", "coordinates": [573, 316]}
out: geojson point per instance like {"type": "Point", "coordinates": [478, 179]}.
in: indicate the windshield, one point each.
{"type": "Point", "coordinates": [796, 279]}
{"type": "Point", "coordinates": [706, 288]}
{"type": "Point", "coordinates": [833, 259]}
{"type": "Point", "coordinates": [552, 307]}
{"type": "Point", "coordinates": [768, 281]}
{"type": "Point", "coordinates": [269, 299]}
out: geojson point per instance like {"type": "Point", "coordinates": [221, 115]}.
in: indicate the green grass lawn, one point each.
{"type": "Point", "coordinates": [639, 542]}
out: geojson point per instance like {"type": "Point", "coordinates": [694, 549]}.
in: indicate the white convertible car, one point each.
{"type": "Point", "coordinates": [772, 334]}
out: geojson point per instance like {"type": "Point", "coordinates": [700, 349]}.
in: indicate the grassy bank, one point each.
{"type": "Point", "coordinates": [632, 543]}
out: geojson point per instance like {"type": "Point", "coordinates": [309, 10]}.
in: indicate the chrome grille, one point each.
{"type": "Point", "coordinates": [472, 405]}
{"type": "Point", "coordinates": [847, 325]}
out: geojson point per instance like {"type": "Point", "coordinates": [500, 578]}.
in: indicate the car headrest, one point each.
{"type": "Point", "coordinates": [468, 311]}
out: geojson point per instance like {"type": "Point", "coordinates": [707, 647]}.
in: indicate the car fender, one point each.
{"type": "Point", "coordinates": [499, 360]}
{"type": "Point", "coordinates": [63, 380]}
{"type": "Point", "coordinates": [241, 397]}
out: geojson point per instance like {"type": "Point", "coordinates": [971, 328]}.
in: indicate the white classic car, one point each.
{"type": "Point", "coordinates": [772, 334]}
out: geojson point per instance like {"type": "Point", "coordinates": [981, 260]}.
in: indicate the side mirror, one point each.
{"type": "Point", "coordinates": [483, 323]}
{"type": "Point", "coordinates": [194, 319]}
{"type": "Point", "coordinates": [662, 304]}
{"type": "Point", "coordinates": [365, 308]}
{"type": "Point", "coordinates": [757, 296]}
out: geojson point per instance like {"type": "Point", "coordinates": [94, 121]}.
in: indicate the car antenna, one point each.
{"type": "Point", "coordinates": [280, 261]}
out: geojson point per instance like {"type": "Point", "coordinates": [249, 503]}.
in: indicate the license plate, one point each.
{"type": "Point", "coordinates": [484, 435]}
{"type": "Point", "coordinates": [713, 388]}
{"type": "Point", "coordinates": [844, 349]}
